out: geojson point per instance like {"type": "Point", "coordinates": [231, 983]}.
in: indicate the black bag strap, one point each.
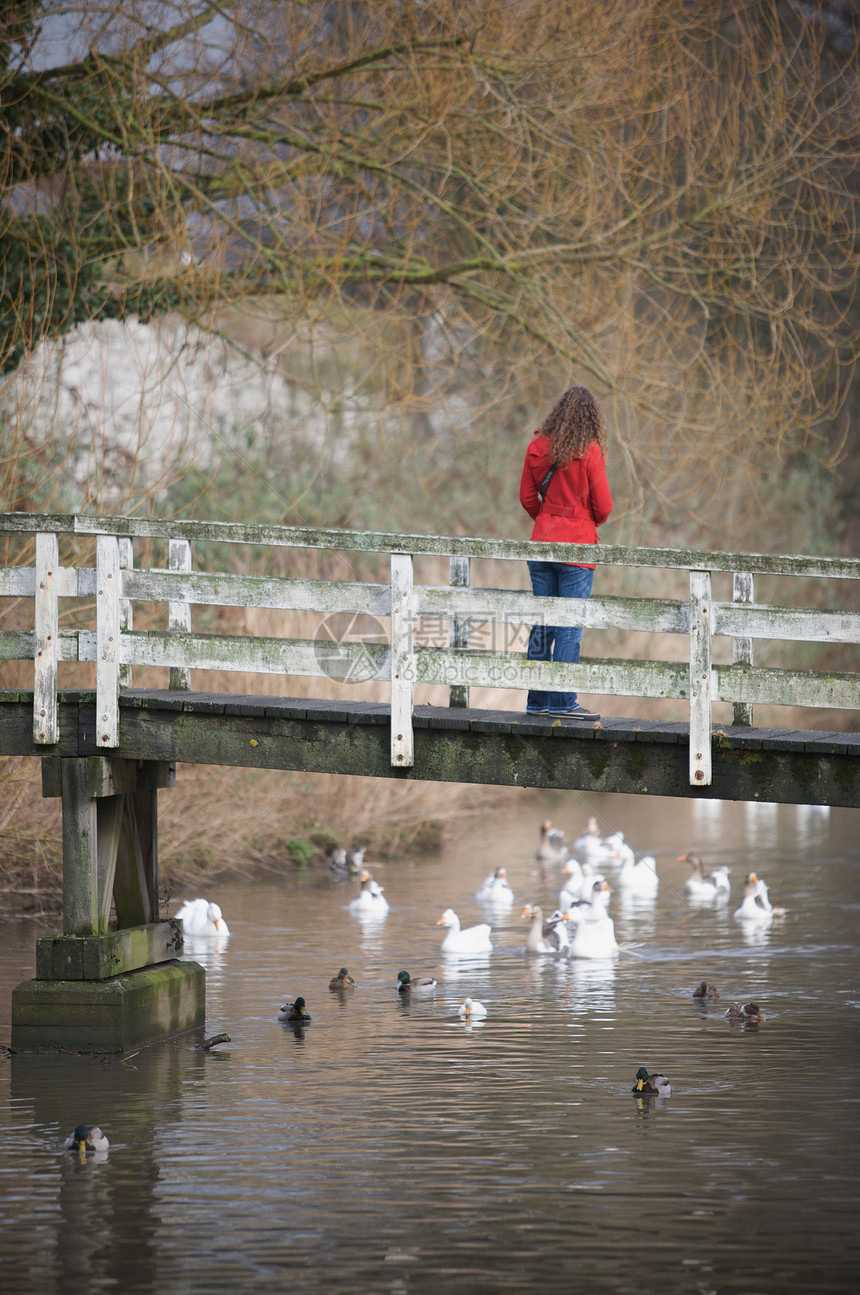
{"type": "Point", "coordinates": [544, 485]}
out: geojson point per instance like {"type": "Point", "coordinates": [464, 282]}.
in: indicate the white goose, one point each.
{"type": "Point", "coordinates": [496, 889]}
{"type": "Point", "coordinates": [580, 888]}
{"type": "Point", "coordinates": [714, 885]}
{"type": "Point", "coordinates": [200, 917]}
{"type": "Point", "coordinates": [755, 908]}
{"type": "Point", "coordinates": [370, 900]}
{"type": "Point", "coordinates": [594, 936]}
{"type": "Point", "coordinates": [473, 939]}
{"type": "Point", "coordinates": [637, 876]}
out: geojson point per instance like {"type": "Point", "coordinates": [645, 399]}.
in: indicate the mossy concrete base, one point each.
{"type": "Point", "coordinates": [113, 1015]}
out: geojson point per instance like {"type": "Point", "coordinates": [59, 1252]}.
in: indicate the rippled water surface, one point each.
{"type": "Point", "coordinates": [390, 1148]}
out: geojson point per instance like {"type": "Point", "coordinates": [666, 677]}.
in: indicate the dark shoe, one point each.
{"type": "Point", "coordinates": [577, 712]}
{"type": "Point", "coordinates": [537, 710]}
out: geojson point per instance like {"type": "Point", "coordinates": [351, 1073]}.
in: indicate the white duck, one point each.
{"type": "Point", "coordinates": [496, 889]}
{"type": "Point", "coordinates": [200, 917]}
{"type": "Point", "coordinates": [545, 937]}
{"type": "Point", "coordinates": [594, 936]}
{"type": "Point", "coordinates": [580, 888]}
{"type": "Point", "coordinates": [472, 1010]}
{"type": "Point", "coordinates": [552, 848]}
{"type": "Point", "coordinates": [637, 876]}
{"type": "Point", "coordinates": [756, 908]}
{"type": "Point", "coordinates": [473, 939]}
{"type": "Point", "coordinates": [370, 899]}
{"type": "Point", "coordinates": [588, 839]}
{"type": "Point", "coordinates": [714, 885]}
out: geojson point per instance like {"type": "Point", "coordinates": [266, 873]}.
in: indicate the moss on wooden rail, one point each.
{"type": "Point", "coordinates": [452, 545]}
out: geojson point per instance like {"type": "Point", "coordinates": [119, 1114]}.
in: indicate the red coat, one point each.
{"type": "Point", "coordinates": [577, 501]}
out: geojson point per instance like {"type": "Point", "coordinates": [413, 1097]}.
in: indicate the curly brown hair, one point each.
{"type": "Point", "coordinates": [574, 421]}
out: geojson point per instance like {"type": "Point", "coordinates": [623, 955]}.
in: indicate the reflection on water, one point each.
{"type": "Point", "coordinates": [389, 1146]}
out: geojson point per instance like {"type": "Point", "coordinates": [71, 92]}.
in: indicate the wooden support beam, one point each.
{"type": "Point", "coordinates": [80, 851]}
{"type": "Point", "coordinates": [402, 661]}
{"type": "Point", "coordinates": [98, 957]}
{"type": "Point", "coordinates": [135, 888]}
{"type": "Point", "coordinates": [110, 776]}
{"type": "Point", "coordinates": [110, 840]}
{"type": "Point", "coordinates": [108, 820]}
{"type": "Point", "coordinates": [700, 678]}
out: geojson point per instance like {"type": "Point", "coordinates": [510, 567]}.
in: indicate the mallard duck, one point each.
{"type": "Point", "coordinates": [337, 859]}
{"type": "Point", "coordinates": [496, 890]}
{"type": "Point", "coordinates": [343, 980]}
{"type": "Point", "coordinates": [474, 939]}
{"type": "Point", "coordinates": [744, 1012]}
{"type": "Point", "coordinates": [200, 917]}
{"type": "Point", "coordinates": [700, 885]}
{"type": "Point", "coordinates": [552, 848]}
{"type": "Point", "coordinates": [348, 861]}
{"type": "Point", "coordinates": [296, 1013]}
{"type": "Point", "coordinates": [415, 986]}
{"type": "Point", "coordinates": [705, 990]}
{"type": "Point", "coordinates": [370, 899]}
{"type": "Point", "coordinates": [542, 936]}
{"type": "Point", "coordinates": [755, 906]}
{"type": "Point", "coordinates": [637, 876]}
{"type": "Point", "coordinates": [86, 1141]}
{"type": "Point", "coordinates": [651, 1085]}
{"type": "Point", "coordinates": [471, 1010]}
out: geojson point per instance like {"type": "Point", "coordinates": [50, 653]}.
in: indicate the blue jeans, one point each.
{"type": "Point", "coordinates": [549, 642]}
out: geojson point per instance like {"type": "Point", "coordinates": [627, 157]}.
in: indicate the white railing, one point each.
{"type": "Point", "coordinates": [116, 647]}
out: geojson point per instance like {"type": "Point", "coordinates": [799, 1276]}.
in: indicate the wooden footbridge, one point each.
{"type": "Point", "coordinates": [107, 748]}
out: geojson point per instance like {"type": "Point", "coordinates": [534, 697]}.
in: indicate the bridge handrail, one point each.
{"type": "Point", "coordinates": [115, 647]}
{"type": "Point", "coordinates": [445, 545]}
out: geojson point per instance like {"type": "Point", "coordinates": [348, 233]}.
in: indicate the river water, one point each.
{"type": "Point", "coordinates": [390, 1148]}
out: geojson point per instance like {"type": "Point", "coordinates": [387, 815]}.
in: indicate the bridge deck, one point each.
{"type": "Point", "coordinates": [493, 747]}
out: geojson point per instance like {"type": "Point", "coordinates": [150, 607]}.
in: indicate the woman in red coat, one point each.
{"type": "Point", "coordinates": [571, 442]}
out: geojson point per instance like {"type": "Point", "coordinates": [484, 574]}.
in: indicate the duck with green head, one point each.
{"type": "Point", "coordinates": [651, 1085]}
{"type": "Point", "coordinates": [415, 986]}
{"type": "Point", "coordinates": [86, 1141]}
{"type": "Point", "coordinates": [295, 1013]}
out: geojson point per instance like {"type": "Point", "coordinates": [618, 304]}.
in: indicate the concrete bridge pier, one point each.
{"type": "Point", "coordinates": [102, 986]}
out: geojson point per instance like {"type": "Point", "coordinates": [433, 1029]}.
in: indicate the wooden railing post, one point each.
{"type": "Point", "coordinates": [179, 614]}
{"type": "Point", "coordinates": [126, 607]}
{"type": "Point", "coordinates": [402, 661]}
{"type": "Point", "coordinates": [700, 678]}
{"type": "Point", "coordinates": [743, 591]}
{"type": "Point", "coordinates": [458, 634]}
{"type": "Point", "coordinates": [46, 720]}
{"type": "Point", "coordinates": [107, 641]}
